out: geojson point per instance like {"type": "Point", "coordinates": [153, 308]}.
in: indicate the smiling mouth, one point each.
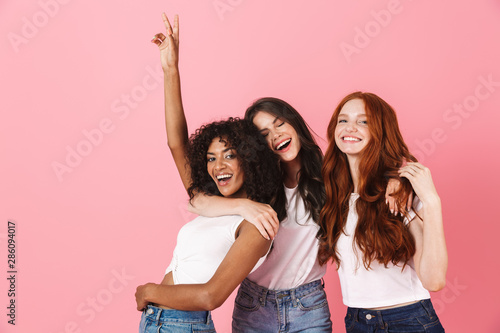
{"type": "Point", "coordinates": [350, 138]}
{"type": "Point", "coordinates": [283, 144]}
{"type": "Point", "coordinates": [223, 179]}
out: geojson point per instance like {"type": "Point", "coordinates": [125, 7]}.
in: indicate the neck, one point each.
{"type": "Point", "coordinates": [291, 169]}
{"type": "Point", "coordinates": [241, 194]}
{"type": "Point", "coordinates": [353, 167]}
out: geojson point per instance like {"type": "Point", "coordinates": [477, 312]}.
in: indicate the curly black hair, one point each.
{"type": "Point", "coordinates": [260, 165]}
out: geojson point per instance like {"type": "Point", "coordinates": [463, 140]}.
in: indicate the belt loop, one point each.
{"type": "Point", "coordinates": [427, 307]}
{"type": "Point", "coordinates": [294, 297]}
{"type": "Point", "coordinates": [263, 296]}
{"type": "Point", "coordinates": [380, 320]}
{"type": "Point", "coordinates": [356, 314]}
{"type": "Point", "coordinates": [158, 315]}
{"type": "Point", "coordinates": [323, 282]}
{"type": "Point", "coordinates": [209, 317]}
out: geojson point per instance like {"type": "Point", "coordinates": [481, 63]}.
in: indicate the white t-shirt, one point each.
{"type": "Point", "coordinates": [378, 286]}
{"type": "Point", "coordinates": [293, 260]}
{"type": "Point", "coordinates": [201, 246]}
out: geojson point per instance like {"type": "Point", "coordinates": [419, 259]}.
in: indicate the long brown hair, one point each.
{"type": "Point", "coordinates": [379, 235]}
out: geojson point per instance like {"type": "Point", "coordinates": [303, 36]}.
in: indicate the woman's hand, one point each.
{"type": "Point", "coordinates": [421, 181]}
{"type": "Point", "coordinates": [169, 44]}
{"type": "Point", "coordinates": [262, 216]}
{"type": "Point", "coordinates": [392, 186]}
{"type": "Point", "coordinates": [141, 295]}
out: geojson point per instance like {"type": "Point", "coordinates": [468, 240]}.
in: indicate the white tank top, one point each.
{"type": "Point", "coordinates": [293, 260]}
{"type": "Point", "coordinates": [201, 246]}
{"type": "Point", "coordinates": [378, 286]}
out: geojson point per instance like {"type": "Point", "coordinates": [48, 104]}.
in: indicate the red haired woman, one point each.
{"type": "Point", "coordinates": [387, 264]}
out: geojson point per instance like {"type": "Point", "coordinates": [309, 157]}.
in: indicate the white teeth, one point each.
{"type": "Point", "coordinates": [219, 177]}
{"type": "Point", "coordinates": [348, 138]}
{"type": "Point", "coordinates": [282, 144]}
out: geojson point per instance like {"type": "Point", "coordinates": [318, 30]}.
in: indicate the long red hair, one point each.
{"type": "Point", "coordinates": [379, 235]}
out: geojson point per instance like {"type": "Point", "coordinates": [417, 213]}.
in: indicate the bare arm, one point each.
{"type": "Point", "coordinates": [237, 264]}
{"type": "Point", "coordinates": [262, 216]}
{"type": "Point", "coordinates": [175, 120]}
{"type": "Point", "coordinates": [431, 257]}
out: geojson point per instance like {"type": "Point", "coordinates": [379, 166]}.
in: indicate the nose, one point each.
{"type": "Point", "coordinates": [351, 127]}
{"type": "Point", "coordinates": [219, 164]}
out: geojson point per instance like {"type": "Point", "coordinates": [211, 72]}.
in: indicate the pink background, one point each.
{"type": "Point", "coordinates": [81, 77]}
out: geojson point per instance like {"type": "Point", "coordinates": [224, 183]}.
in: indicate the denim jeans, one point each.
{"type": "Point", "coordinates": [303, 309]}
{"type": "Point", "coordinates": [158, 320]}
{"type": "Point", "coordinates": [419, 317]}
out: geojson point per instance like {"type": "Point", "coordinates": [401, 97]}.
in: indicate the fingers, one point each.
{"type": "Point", "coordinates": [393, 207]}
{"type": "Point", "coordinates": [176, 27]}
{"type": "Point", "coordinates": [267, 222]}
{"type": "Point", "coordinates": [412, 170]}
{"type": "Point", "coordinates": [410, 202]}
{"type": "Point", "coordinates": [262, 230]}
{"type": "Point", "coordinates": [158, 39]}
{"type": "Point", "coordinates": [166, 22]}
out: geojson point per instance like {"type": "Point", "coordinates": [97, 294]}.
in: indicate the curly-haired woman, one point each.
{"type": "Point", "coordinates": [387, 264]}
{"type": "Point", "coordinates": [213, 254]}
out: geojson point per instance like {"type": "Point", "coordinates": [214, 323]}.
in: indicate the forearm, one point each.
{"type": "Point", "coordinates": [175, 123]}
{"type": "Point", "coordinates": [212, 205]}
{"type": "Point", "coordinates": [175, 120]}
{"type": "Point", "coordinates": [434, 259]}
{"type": "Point", "coordinates": [186, 297]}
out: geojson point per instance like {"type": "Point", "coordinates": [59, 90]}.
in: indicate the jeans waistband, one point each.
{"type": "Point", "coordinates": [157, 314]}
{"type": "Point", "coordinates": [263, 292]}
{"type": "Point", "coordinates": [421, 308]}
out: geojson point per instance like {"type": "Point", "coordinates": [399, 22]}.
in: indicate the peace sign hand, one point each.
{"type": "Point", "coordinates": [169, 44]}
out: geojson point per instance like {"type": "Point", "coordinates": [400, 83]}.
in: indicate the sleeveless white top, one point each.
{"type": "Point", "coordinates": [378, 286]}
{"type": "Point", "coordinates": [293, 260]}
{"type": "Point", "coordinates": [201, 246]}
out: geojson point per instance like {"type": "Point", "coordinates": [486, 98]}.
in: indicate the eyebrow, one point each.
{"type": "Point", "coordinates": [357, 115]}
{"type": "Point", "coordinates": [225, 150]}
{"type": "Point", "coordinates": [274, 121]}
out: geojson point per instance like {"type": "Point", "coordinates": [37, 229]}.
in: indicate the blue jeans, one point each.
{"type": "Point", "coordinates": [303, 309]}
{"type": "Point", "coordinates": [419, 317]}
{"type": "Point", "coordinates": [158, 320]}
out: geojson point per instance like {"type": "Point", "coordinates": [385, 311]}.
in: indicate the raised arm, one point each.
{"type": "Point", "coordinates": [431, 257]}
{"type": "Point", "coordinates": [175, 120]}
{"type": "Point", "coordinates": [248, 248]}
{"type": "Point", "coordinates": [262, 216]}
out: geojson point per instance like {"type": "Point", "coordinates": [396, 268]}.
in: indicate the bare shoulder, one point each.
{"type": "Point", "coordinates": [248, 233]}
